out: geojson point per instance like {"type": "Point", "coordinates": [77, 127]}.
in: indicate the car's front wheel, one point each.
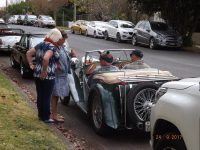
{"type": "Point", "coordinates": [170, 141]}
{"type": "Point", "coordinates": [86, 33]}
{"type": "Point", "coordinates": [118, 38]}
{"type": "Point", "coordinates": [152, 43]}
{"type": "Point", "coordinates": [140, 100]}
{"type": "Point", "coordinates": [23, 69]}
{"type": "Point", "coordinates": [95, 34]}
{"type": "Point", "coordinates": [106, 35]}
{"type": "Point", "coordinates": [72, 30]}
{"type": "Point", "coordinates": [97, 114]}
{"type": "Point", "coordinates": [13, 62]}
{"type": "Point", "coordinates": [134, 40]}
{"type": "Point", "coordinates": [80, 32]}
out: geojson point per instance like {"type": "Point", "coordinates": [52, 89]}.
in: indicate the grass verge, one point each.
{"type": "Point", "coordinates": [19, 125]}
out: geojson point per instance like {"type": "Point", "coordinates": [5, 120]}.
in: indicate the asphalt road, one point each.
{"type": "Point", "coordinates": [180, 63]}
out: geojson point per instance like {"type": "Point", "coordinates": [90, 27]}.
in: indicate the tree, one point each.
{"type": "Point", "coordinates": [181, 14]}
{"type": "Point", "coordinates": [19, 8]}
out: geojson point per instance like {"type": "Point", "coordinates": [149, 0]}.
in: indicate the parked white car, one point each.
{"type": "Point", "coordinates": [1, 20]}
{"type": "Point", "coordinates": [45, 21]}
{"type": "Point", "coordinates": [96, 29]}
{"type": "Point", "coordinates": [13, 19]}
{"type": "Point", "coordinates": [119, 29]}
{"type": "Point", "coordinates": [175, 118]}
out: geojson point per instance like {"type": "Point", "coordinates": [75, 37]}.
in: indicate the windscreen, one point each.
{"type": "Point", "coordinates": [118, 55]}
{"type": "Point", "coordinates": [34, 40]}
{"type": "Point", "coordinates": [159, 26]}
{"type": "Point", "coordinates": [127, 25]}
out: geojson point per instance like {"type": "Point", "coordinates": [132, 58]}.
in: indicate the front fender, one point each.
{"type": "Point", "coordinates": [109, 106]}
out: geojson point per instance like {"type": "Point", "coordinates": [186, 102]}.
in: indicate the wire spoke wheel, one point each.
{"type": "Point", "coordinates": [143, 102]}
{"type": "Point", "coordinates": [97, 112]}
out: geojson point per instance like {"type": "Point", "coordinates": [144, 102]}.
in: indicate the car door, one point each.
{"type": "Point", "coordinates": [39, 21]}
{"type": "Point", "coordinates": [115, 29]}
{"type": "Point", "coordinates": [90, 28]}
{"type": "Point", "coordinates": [109, 28]}
{"type": "Point", "coordinates": [22, 49]}
{"type": "Point", "coordinates": [77, 26]}
{"type": "Point", "coordinates": [17, 49]}
{"type": "Point", "coordinates": [140, 32]}
{"type": "Point", "coordinates": [146, 33]}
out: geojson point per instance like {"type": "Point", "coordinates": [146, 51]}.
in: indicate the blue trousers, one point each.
{"type": "Point", "coordinates": [44, 90]}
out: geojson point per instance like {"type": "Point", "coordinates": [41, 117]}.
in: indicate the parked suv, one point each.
{"type": "Point", "coordinates": [20, 19]}
{"type": "Point", "coordinates": [175, 118]}
{"type": "Point", "coordinates": [119, 30]}
{"type": "Point", "coordinates": [156, 34]}
{"type": "Point", "coordinates": [29, 19]}
{"type": "Point", "coordinates": [45, 21]}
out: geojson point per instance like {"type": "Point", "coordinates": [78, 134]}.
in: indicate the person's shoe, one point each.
{"type": "Point", "coordinates": [60, 116]}
{"type": "Point", "coordinates": [58, 120]}
{"type": "Point", "coordinates": [49, 121]}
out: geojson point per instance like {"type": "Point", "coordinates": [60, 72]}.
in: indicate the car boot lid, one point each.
{"type": "Point", "coordinates": [182, 84]}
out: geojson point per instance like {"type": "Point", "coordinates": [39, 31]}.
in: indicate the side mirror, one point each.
{"type": "Point", "coordinates": [17, 43]}
{"type": "Point", "coordinates": [148, 30]}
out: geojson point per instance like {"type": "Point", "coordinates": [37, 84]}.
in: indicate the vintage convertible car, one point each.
{"type": "Point", "coordinates": [116, 99]}
{"type": "Point", "coordinates": [8, 37]}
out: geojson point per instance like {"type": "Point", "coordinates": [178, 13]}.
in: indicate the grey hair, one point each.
{"type": "Point", "coordinates": [54, 34]}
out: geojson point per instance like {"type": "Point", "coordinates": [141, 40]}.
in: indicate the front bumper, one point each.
{"type": "Point", "coordinates": [168, 43]}
{"type": "Point", "coordinates": [49, 24]}
{"type": "Point", "coordinates": [100, 33]}
{"type": "Point", "coordinates": [126, 36]}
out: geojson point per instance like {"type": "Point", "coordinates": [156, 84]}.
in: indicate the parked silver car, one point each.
{"type": "Point", "coordinates": [30, 19]}
{"type": "Point", "coordinates": [119, 30]}
{"type": "Point", "coordinates": [45, 21]}
{"type": "Point", "coordinates": [156, 34]}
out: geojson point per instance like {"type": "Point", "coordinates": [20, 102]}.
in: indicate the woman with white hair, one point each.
{"type": "Point", "coordinates": [46, 57]}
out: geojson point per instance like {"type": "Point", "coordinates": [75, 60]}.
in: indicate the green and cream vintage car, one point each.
{"type": "Point", "coordinates": [117, 99]}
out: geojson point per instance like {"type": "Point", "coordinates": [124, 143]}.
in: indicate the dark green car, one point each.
{"type": "Point", "coordinates": [18, 52]}
{"type": "Point", "coordinates": [118, 99]}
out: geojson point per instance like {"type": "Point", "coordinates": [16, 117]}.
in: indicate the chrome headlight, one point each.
{"type": "Point", "coordinates": [161, 91]}
{"type": "Point", "coordinates": [160, 37]}
{"type": "Point", "coordinates": [180, 40]}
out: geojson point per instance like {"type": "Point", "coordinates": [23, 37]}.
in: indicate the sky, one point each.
{"type": "Point", "coordinates": [3, 2]}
